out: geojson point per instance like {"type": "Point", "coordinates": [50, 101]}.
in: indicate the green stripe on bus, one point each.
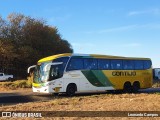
{"type": "Point", "coordinates": [97, 78]}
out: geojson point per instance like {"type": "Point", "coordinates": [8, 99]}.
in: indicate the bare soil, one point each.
{"type": "Point", "coordinates": [102, 102]}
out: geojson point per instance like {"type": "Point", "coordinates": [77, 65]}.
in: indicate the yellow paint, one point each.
{"type": "Point", "coordinates": [57, 89]}
{"type": "Point", "coordinates": [117, 57]}
{"type": "Point", "coordinates": [36, 85]}
{"type": "Point", "coordinates": [143, 76]}
{"type": "Point", "coordinates": [50, 58]}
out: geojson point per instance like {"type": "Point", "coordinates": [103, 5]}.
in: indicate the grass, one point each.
{"type": "Point", "coordinates": [17, 84]}
{"type": "Point", "coordinates": [157, 93]}
{"type": "Point", "coordinates": [156, 83]}
{"type": "Point", "coordinates": [117, 102]}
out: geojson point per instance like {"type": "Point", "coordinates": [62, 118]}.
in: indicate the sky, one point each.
{"type": "Point", "coordinates": [128, 28]}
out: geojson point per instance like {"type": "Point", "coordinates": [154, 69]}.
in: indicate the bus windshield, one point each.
{"type": "Point", "coordinates": [41, 76]}
{"type": "Point", "coordinates": [53, 72]}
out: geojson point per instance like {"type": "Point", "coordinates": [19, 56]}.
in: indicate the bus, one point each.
{"type": "Point", "coordinates": [71, 73]}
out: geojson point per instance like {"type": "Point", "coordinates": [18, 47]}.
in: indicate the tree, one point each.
{"type": "Point", "coordinates": [24, 40]}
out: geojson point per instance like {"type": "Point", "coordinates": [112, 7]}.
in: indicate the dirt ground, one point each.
{"type": "Point", "coordinates": [102, 102]}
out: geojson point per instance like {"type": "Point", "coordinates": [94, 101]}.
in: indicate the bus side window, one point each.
{"type": "Point", "coordinates": [147, 64]}
{"type": "Point", "coordinates": [75, 64]}
{"type": "Point", "coordinates": [128, 65]}
{"type": "Point", "coordinates": [138, 64]}
{"type": "Point", "coordinates": [103, 64]}
{"type": "Point", "coordinates": [56, 71]}
{"type": "Point", "coordinates": [116, 64]}
{"type": "Point", "coordinates": [90, 64]}
{"type": "Point", "coordinates": [62, 59]}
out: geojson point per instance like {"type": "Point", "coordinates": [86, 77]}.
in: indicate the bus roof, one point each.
{"type": "Point", "coordinates": [50, 58]}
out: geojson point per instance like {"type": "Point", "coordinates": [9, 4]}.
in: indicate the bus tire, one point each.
{"type": "Point", "coordinates": [127, 88]}
{"type": "Point", "coordinates": [71, 89]}
{"type": "Point", "coordinates": [136, 87]}
{"type": "Point", "coordinates": [55, 94]}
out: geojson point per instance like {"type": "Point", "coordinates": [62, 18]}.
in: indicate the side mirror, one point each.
{"type": "Point", "coordinates": [28, 70]}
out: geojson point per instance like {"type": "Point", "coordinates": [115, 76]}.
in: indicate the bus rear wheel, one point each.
{"type": "Point", "coordinates": [127, 87]}
{"type": "Point", "coordinates": [136, 87]}
{"type": "Point", "coordinates": [71, 89]}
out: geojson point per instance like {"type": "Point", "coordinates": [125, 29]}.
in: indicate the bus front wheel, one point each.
{"type": "Point", "coordinates": [71, 89]}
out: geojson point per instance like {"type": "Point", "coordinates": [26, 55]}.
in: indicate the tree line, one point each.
{"type": "Point", "coordinates": [24, 40]}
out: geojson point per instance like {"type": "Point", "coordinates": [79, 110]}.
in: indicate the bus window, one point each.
{"type": "Point", "coordinates": [103, 64]}
{"type": "Point", "coordinates": [138, 64]}
{"type": "Point", "coordinates": [90, 64]}
{"type": "Point", "coordinates": [75, 64]}
{"type": "Point", "coordinates": [116, 64]}
{"type": "Point", "coordinates": [56, 71]}
{"type": "Point", "coordinates": [147, 64]}
{"type": "Point", "coordinates": [62, 59]}
{"type": "Point", "coordinates": [128, 65]}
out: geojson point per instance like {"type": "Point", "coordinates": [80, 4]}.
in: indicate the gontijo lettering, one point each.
{"type": "Point", "coordinates": [124, 73]}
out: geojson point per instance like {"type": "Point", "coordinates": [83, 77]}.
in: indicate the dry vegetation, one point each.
{"type": "Point", "coordinates": [16, 84]}
{"type": "Point", "coordinates": [156, 83]}
{"type": "Point", "coordinates": [106, 102]}
{"type": "Point", "coordinates": [102, 102]}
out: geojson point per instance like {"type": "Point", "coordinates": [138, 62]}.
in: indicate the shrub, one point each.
{"type": "Point", "coordinates": [156, 84]}
{"type": "Point", "coordinates": [17, 84]}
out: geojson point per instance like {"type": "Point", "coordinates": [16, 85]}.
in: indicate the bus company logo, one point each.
{"type": "Point", "coordinates": [6, 114]}
{"type": "Point", "coordinates": [124, 73]}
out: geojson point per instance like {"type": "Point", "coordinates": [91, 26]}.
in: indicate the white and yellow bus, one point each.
{"type": "Point", "coordinates": [71, 73]}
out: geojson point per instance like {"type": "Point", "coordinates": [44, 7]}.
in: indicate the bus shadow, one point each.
{"type": "Point", "coordinates": [148, 91]}
{"type": "Point", "coordinates": [12, 100]}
